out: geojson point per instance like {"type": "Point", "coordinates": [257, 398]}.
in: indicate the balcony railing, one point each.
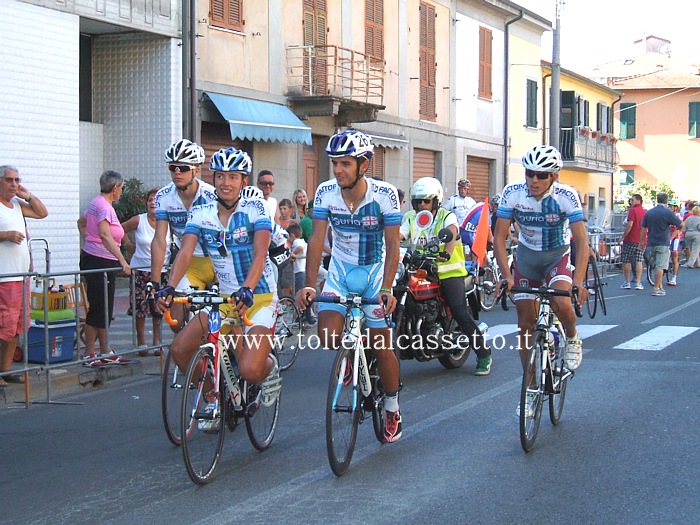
{"type": "Point", "coordinates": [319, 71]}
{"type": "Point", "coordinates": [588, 148]}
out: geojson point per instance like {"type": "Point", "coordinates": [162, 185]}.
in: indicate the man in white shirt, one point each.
{"type": "Point", "coordinates": [266, 182]}
{"type": "Point", "coordinates": [460, 203]}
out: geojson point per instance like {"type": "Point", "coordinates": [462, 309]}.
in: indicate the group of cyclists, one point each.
{"type": "Point", "coordinates": [223, 235]}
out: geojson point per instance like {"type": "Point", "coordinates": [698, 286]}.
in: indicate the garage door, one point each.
{"type": "Point", "coordinates": [423, 163]}
{"type": "Point", "coordinates": [478, 173]}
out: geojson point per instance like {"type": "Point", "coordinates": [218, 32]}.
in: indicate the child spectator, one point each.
{"type": "Point", "coordinates": [285, 218]}
{"type": "Point", "coordinates": [299, 257]}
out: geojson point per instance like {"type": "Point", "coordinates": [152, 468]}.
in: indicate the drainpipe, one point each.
{"type": "Point", "coordinates": [185, 32]}
{"type": "Point", "coordinates": [194, 114]}
{"type": "Point", "coordinates": [506, 93]}
{"type": "Point", "coordinates": [612, 131]}
{"type": "Point", "coordinates": [544, 106]}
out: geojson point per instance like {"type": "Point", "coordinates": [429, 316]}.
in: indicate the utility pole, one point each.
{"type": "Point", "coordinates": [555, 94]}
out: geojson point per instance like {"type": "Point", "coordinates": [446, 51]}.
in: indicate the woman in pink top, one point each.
{"type": "Point", "coordinates": [102, 233]}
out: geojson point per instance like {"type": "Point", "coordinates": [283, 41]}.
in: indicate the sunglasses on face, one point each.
{"type": "Point", "coordinates": [541, 175]}
{"type": "Point", "coordinates": [181, 168]}
{"type": "Point", "coordinates": [424, 201]}
{"type": "Point", "coordinates": [266, 184]}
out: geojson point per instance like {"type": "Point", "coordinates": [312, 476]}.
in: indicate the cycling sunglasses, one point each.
{"type": "Point", "coordinates": [424, 201]}
{"type": "Point", "coordinates": [182, 168]}
{"type": "Point", "coordinates": [541, 175]}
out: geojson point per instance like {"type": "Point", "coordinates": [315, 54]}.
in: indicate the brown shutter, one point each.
{"type": "Point", "coordinates": [423, 163]}
{"type": "Point", "coordinates": [227, 14]}
{"type": "Point", "coordinates": [376, 166]}
{"type": "Point", "coordinates": [215, 136]}
{"type": "Point", "coordinates": [485, 62]}
{"type": "Point", "coordinates": [428, 66]}
{"type": "Point", "coordinates": [478, 173]}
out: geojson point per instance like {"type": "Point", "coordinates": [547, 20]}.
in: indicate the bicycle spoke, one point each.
{"type": "Point", "coordinates": [263, 411]}
{"type": "Point", "coordinates": [288, 327]}
{"type": "Point", "coordinates": [531, 395]}
{"type": "Point", "coordinates": [342, 414]}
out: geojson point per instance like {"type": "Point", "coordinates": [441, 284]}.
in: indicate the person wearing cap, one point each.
{"type": "Point", "coordinates": [460, 203]}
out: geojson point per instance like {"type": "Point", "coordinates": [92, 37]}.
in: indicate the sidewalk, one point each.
{"type": "Point", "coordinates": [73, 376]}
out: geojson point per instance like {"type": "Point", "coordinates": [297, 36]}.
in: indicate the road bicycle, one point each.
{"type": "Point", "coordinates": [488, 278]}
{"type": "Point", "coordinates": [288, 327]}
{"type": "Point", "coordinates": [651, 265]}
{"type": "Point", "coordinates": [545, 372]}
{"type": "Point", "coordinates": [216, 393]}
{"type": "Point", "coordinates": [353, 391]}
{"type": "Point", "coordinates": [594, 285]}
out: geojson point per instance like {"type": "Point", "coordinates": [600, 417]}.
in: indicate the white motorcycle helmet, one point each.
{"type": "Point", "coordinates": [426, 188]}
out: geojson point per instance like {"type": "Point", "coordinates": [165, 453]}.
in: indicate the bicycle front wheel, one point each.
{"type": "Point", "coordinates": [488, 288]}
{"type": "Point", "coordinates": [559, 378]}
{"type": "Point", "coordinates": [342, 413]}
{"type": "Point", "coordinates": [591, 286]}
{"type": "Point", "coordinates": [531, 394]}
{"type": "Point", "coordinates": [202, 429]}
{"type": "Point", "coordinates": [263, 411]}
{"type": "Point", "coordinates": [377, 402]}
{"type": "Point", "coordinates": [599, 295]}
{"type": "Point", "coordinates": [288, 327]}
{"type": "Point", "coordinates": [172, 391]}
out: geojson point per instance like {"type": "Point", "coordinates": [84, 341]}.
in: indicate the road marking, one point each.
{"type": "Point", "coordinates": [501, 329]}
{"type": "Point", "coordinates": [671, 311]}
{"type": "Point", "coordinates": [589, 330]}
{"type": "Point", "coordinates": [657, 338]}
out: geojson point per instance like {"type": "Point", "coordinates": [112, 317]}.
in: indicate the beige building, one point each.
{"type": "Point", "coordinates": [658, 119]}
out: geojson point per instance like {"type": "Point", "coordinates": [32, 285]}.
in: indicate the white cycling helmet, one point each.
{"type": "Point", "coordinates": [426, 188]}
{"type": "Point", "coordinates": [185, 151]}
{"type": "Point", "coordinates": [252, 192]}
{"type": "Point", "coordinates": [543, 158]}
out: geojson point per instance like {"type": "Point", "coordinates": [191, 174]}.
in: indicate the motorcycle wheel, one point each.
{"type": "Point", "coordinates": [456, 359]}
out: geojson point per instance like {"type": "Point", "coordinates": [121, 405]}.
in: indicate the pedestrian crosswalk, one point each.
{"type": "Point", "coordinates": [654, 340]}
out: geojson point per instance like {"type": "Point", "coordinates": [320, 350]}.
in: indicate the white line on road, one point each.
{"type": "Point", "coordinates": [657, 338]}
{"type": "Point", "coordinates": [589, 330]}
{"type": "Point", "coordinates": [671, 311]}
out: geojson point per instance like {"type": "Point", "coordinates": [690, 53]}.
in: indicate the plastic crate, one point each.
{"type": "Point", "coordinates": [55, 301]}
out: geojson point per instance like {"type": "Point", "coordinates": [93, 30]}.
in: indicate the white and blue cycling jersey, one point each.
{"type": "Point", "coordinates": [230, 246]}
{"type": "Point", "coordinates": [544, 223]}
{"type": "Point", "coordinates": [169, 208]}
{"type": "Point", "coordinates": [358, 238]}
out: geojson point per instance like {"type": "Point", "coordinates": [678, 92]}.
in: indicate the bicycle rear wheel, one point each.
{"type": "Point", "coordinates": [560, 378]}
{"type": "Point", "coordinates": [263, 411]}
{"type": "Point", "coordinates": [288, 326]}
{"type": "Point", "coordinates": [172, 392]}
{"type": "Point", "coordinates": [488, 288]}
{"type": "Point", "coordinates": [591, 280]}
{"type": "Point", "coordinates": [531, 394]}
{"type": "Point", "coordinates": [342, 413]}
{"type": "Point", "coordinates": [202, 432]}
{"type": "Point", "coordinates": [651, 272]}
{"type": "Point", "coordinates": [377, 402]}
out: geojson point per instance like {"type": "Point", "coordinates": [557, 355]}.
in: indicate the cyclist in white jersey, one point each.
{"type": "Point", "coordinates": [460, 203]}
{"type": "Point", "coordinates": [173, 202]}
{"type": "Point", "coordinates": [545, 210]}
{"type": "Point", "coordinates": [364, 217]}
{"type": "Point", "coordinates": [236, 232]}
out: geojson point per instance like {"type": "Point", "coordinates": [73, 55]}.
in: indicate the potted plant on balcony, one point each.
{"type": "Point", "coordinates": [595, 134]}
{"type": "Point", "coordinates": [585, 130]}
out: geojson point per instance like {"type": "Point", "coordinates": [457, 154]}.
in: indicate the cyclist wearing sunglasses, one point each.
{"type": "Point", "coordinates": [184, 160]}
{"type": "Point", "coordinates": [364, 218]}
{"type": "Point", "coordinates": [235, 229]}
{"type": "Point", "coordinates": [460, 203]}
{"type": "Point", "coordinates": [549, 214]}
{"type": "Point", "coordinates": [426, 194]}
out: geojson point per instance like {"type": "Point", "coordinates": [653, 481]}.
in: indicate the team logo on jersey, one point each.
{"type": "Point", "coordinates": [240, 235]}
{"type": "Point", "coordinates": [552, 218]}
{"type": "Point", "coordinates": [370, 222]}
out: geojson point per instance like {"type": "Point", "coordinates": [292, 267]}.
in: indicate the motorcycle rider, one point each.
{"type": "Point", "coordinates": [426, 194]}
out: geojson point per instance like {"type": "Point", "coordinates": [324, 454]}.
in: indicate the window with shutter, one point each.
{"type": "Point", "coordinates": [628, 120]}
{"type": "Point", "coordinates": [531, 104]}
{"type": "Point", "coordinates": [428, 66]}
{"type": "Point", "coordinates": [485, 63]}
{"type": "Point", "coordinates": [315, 63]}
{"type": "Point", "coordinates": [227, 14]}
{"type": "Point", "coordinates": [374, 28]}
{"type": "Point", "coordinates": [694, 120]}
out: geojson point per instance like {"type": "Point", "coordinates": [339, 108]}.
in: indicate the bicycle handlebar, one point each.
{"type": "Point", "coordinates": [350, 299]}
{"type": "Point", "coordinates": [540, 291]}
{"type": "Point", "coordinates": [202, 301]}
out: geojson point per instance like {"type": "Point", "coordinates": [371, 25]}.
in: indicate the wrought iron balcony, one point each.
{"type": "Point", "coordinates": [332, 80]}
{"type": "Point", "coordinates": [586, 149]}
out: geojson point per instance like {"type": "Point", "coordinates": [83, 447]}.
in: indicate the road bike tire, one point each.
{"type": "Point", "coordinates": [530, 423]}
{"type": "Point", "coordinates": [377, 402]}
{"type": "Point", "coordinates": [261, 421]}
{"type": "Point", "coordinates": [288, 327]}
{"type": "Point", "coordinates": [560, 379]}
{"type": "Point", "coordinates": [172, 392]}
{"type": "Point", "coordinates": [599, 294]}
{"type": "Point", "coordinates": [342, 416]}
{"type": "Point", "coordinates": [591, 303]}
{"type": "Point", "coordinates": [201, 449]}
{"type": "Point", "coordinates": [651, 272]}
{"type": "Point", "coordinates": [488, 283]}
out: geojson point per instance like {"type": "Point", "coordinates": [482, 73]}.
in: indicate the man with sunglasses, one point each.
{"type": "Point", "coordinates": [173, 203]}
{"type": "Point", "coordinates": [266, 183]}
{"type": "Point", "coordinates": [235, 229]}
{"type": "Point", "coordinates": [460, 203]}
{"type": "Point", "coordinates": [549, 214]}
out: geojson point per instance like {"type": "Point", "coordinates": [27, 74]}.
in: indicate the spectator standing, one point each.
{"type": "Point", "coordinates": [656, 225]}
{"type": "Point", "coordinates": [301, 203]}
{"type": "Point", "coordinates": [460, 203]}
{"type": "Point", "coordinates": [299, 256]}
{"type": "Point", "coordinates": [306, 222]}
{"type": "Point", "coordinates": [691, 228]}
{"type": "Point", "coordinates": [285, 213]}
{"type": "Point", "coordinates": [144, 228]}
{"type": "Point", "coordinates": [266, 183]}
{"type": "Point", "coordinates": [103, 234]}
{"type": "Point", "coordinates": [631, 252]}
{"type": "Point", "coordinates": [16, 204]}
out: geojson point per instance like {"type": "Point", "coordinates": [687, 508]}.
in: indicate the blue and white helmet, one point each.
{"type": "Point", "coordinates": [231, 159]}
{"type": "Point", "coordinates": [350, 143]}
{"type": "Point", "coordinates": [252, 192]}
{"type": "Point", "coordinates": [185, 151]}
{"type": "Point", "coordinates": [543, 158]}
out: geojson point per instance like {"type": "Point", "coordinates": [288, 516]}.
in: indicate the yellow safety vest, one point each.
{"type": "Point", "coordinates": [454, 267]}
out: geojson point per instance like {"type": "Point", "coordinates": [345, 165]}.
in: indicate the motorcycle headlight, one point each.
{"type": "Point", "coordinates": [400, 271]}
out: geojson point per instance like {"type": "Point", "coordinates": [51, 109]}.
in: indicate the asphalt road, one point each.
{"type": "Point", "coordinates": [626, 450]}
